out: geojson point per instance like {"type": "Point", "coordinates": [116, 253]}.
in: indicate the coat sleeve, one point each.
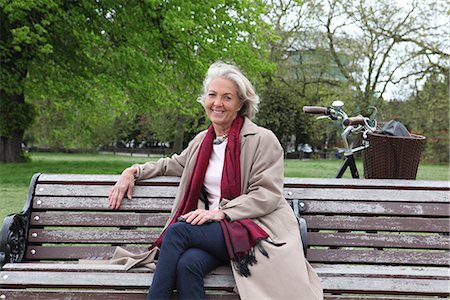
{"type": "Point", "coordinates": [265, 182]}
{"type": "Point", "coordinates": [171, 166]}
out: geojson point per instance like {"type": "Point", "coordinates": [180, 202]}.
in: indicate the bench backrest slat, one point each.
{"type": "Point", "coordinates": [96, 219]}
{"type": "Point", "coordinates": [392, 224]}
{"type": "Point", "coordinates": [100, 204]}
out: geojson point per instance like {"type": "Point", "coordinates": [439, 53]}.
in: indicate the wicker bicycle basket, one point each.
{"type": "Point", "coordinates": [392, 156]}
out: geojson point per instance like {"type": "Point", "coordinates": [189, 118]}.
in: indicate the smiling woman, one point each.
{"type": "Point", "coordinates": [229, 207]}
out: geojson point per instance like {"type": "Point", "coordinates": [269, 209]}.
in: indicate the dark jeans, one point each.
{"type": "Point", "coordinates": [188, 253]}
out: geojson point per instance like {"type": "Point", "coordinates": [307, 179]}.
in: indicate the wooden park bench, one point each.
{"type": "Point", "coordinates": [367, 239]}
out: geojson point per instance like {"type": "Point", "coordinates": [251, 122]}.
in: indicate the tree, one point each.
{"type": "Point", "coordinates": [361, 52]}
{"type": "Point", "coordinates": [379, 44]}
{"type": "Point", "coordinates": [426, 113]}
{"type": "Point", "coordinates": [82, 64]}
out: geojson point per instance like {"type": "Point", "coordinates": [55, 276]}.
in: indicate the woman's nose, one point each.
{"type": "Point", "coordinates": [218, 101]}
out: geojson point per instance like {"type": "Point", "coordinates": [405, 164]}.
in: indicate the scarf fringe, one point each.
{"type": "Point", "coordinates": [242, 262]}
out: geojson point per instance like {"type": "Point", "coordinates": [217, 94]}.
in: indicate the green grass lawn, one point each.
{"type": "Point", "coordinates": [15, 178]}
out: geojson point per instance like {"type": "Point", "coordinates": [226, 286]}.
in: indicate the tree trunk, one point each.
{"type": "Point", "coordinates": [17, 115]}
{"type": "Point", "coordinates": [178, 142]}
{"type": "Point", "coordinates": [10, 147]}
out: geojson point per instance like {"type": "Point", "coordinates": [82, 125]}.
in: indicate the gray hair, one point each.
{"type": "Point", "coordinates": [246, 92]}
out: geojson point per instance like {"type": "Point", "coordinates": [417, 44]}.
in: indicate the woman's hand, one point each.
{"type": "Point", "coordinates": [201, 216]}
{"type": "Point", "coordinates": [124, 185]}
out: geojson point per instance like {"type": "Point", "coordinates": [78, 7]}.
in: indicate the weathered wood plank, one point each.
{"type": "Point", "coordinates": [367, 195]}
{"type": "Point", "coordinates": [108, 236]}
{"type": "Point", "coordinates": [395, 224]}
{"type": "Point", "coordinates": [101, 179]}
{"type": "Point", "coordinates": [312, 207]}
{"type": "Point", "coordinates": [290, 193]}
{"type": "Point", "coordinates": [382, 271]}
{"type": "Point", "coordinates": [321, 269]}
{"type": "Point", "coordinates": [97, 236]}
{"type": "Point", "coordinates": [334, 256]}
{"type": "Point", "coordinates": [348, 296]}
{"type": "Point", "coordinates": [386, 285]}
{"type": "Point", "coordinates": [101, 190]}
{"type": "Point", "coordinates": [383, 240]}
{"type": "Point", "coordinates": [61, 253]}
{"type": "Point", "coordinates": [103, 280]}
{"type": "Point", "coordinates": [394, 184]}
{"type": "Point", "coordinates": [98, 219]}
{"type": "Point", "coordinates": [73, 294]}
{"type": "Point", "coordinates": [376, 208]}
{"type": "Point", "coordinates": [37, 294]}
{"type": "Point", "coordinates": [289, 182]}
{"type": "Point", "coordinates": [400, 257]}
{"type": "Point", "coordinates": [101, 203]}
{"type": "Point", "coordinates": [31, 279]}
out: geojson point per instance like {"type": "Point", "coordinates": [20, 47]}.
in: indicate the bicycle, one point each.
{"type": "Point", "coordinates": [360, 125]}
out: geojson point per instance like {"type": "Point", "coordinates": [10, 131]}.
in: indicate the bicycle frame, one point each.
{"type": "Point", "coordinates": [361, 126]}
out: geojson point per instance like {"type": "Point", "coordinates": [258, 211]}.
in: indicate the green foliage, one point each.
{"type": "Point", "coordinates": [427, 113]}
{"type": "Point", "coordinates": [281, 111]}
{"type": "Point", "coordinates": [92, 67]}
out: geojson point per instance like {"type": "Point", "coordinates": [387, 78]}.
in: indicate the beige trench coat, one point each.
{"type": "Point", "coordinates": [285, 274]}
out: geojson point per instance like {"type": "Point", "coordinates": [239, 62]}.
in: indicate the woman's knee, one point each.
{"type": "Point", "coordinates": [175, 230]}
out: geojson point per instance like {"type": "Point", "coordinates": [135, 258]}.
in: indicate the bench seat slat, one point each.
{"type": "Point", "coordinates": [101, 203]}
{"type": "Point", "coordinates": [385, 271]}
{"type": "Point", "coordinates": [33, 279]}
{"type": "Point", "coordinates": [378, 240]}
{"type": "Point", "coordinates": [321, 269]}
{"type": "Point", "coordinates": [396, 224]}
{"type": "Point", "coordinates": [73, 294]}
{"type": "Point", "coordinates": [383, 285]}
{"type": "Point", "coordinates": [101, 190]}
{"type": "Point", "coordinates": [370, 195]}
{"type": "Point", "coordinates": [98, 219]}
{"type": "Point", "coordinates": [400, 257]}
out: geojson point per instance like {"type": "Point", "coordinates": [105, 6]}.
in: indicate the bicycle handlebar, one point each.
{"type": "Point", "coordinates": [358, 120]}
{"type": "Point", "coordinates": [318, 110]}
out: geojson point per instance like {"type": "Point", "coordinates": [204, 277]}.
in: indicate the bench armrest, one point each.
{"type": "Point", "coordinates": [298, 207]}
{"type": "Point", "coordinates": [14, 232]}
{"type": "Point", "coordinates": [13, 238]}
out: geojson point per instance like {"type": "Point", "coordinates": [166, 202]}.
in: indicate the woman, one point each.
{"type": "Point", "coordinates": [229, 206]}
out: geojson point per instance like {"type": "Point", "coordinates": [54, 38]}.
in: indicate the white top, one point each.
{"type": "Point", "coordinates": [213, 176]}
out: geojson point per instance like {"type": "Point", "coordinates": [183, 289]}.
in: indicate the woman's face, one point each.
{"type": "Point", "coordinates": [222, 104]}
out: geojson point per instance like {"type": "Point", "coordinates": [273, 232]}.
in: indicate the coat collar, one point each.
{"type": "Point", "coordinates": [249, 128]}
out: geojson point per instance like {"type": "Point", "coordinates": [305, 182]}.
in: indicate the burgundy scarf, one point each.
{"type": "Point", "coordinates": [241, 236]}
